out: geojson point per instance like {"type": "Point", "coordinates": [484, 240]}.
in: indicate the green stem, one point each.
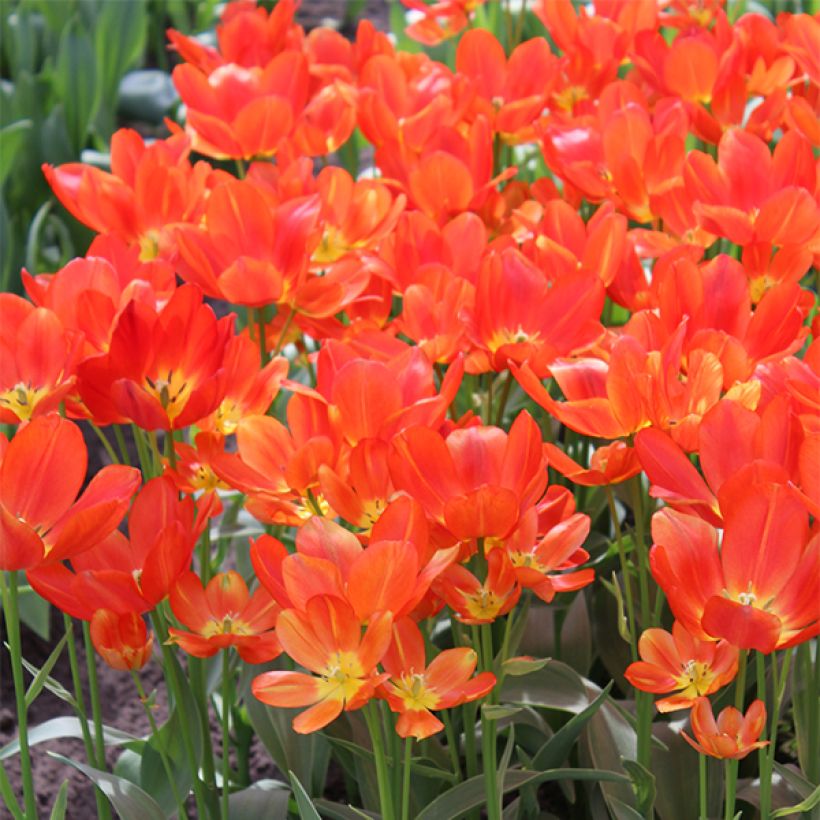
{"type": "Point", "coordinates": [731, 765]}
{"type": "Point", "coordinates": [105, 443]}
{"type": "Point", "coordinates": [260, 330]}
{"type": "Point", "coordinates": [163, 752]}
{"type": "Point", "coordinates": [118, 434]}
{"type": "Point", "coordinates": [642, 552]}
{"type": "Point", "coordinates": [505, 395]}
{"type": "Point", "coordinates": [702, 813]}
{"type": "Point", "coordinates": [731, 787]}
{"type": "Point", "coordinates": [226, 736]}
{"type": "Point", "coordinates": [644, 706]}
{"type": "Point", "coordinates": [627, 581]}
{"type": "Point", "coordinates": [283, 335]}
{"type": "Point", "coordinates": [382, 775]}
{"type": "Point", "coordinates": [469, 711]}
{"type": "Point", "coordinates": [142, 453]}
{"type": "Point", "coordinates": [763, 754]}
{"type": "Point", "coordinates": [205, 556]}
{"type": "Point", "coordinates": [94, 690]}
{"type": "Point", "coordinates": [197, 672]}
{"type": "Point", "coordinates": [488, 399]}
{"type": "Point", "coordinates": [767, 764]}
{"type": "Point", "coordinates": [405, 783]}
{"type": "Point", "coordinates": [12, 616]}
{"type": "Point", "coordinates": [488, 732]}
{"type": "Point", "coordinates": [452, 742]}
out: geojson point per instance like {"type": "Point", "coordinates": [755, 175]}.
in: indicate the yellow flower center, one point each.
{"type": "Point", "coordinates": [172, 392]}
{"type": "Point", "coordinates": [22, 399]}
{"type": "Point", "coordinates": [412, 690]}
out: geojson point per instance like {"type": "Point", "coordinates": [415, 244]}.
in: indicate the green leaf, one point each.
{"type": "Point", "coordinates": [623, 811]}
{"type": "Point", "coordinates": [336, 811]}
{"type": "Point", "coordinates": [64, 727]}
{"type": "Point", "coordinates": [35, 612]}
{"type": "Point", "coordinates": [504, 763]}
{"type": "Point", "coordinates": [471, 793]}
{"type": "Point", "coordinates": [307, 811]}
{"type": "Point", "coordinates": [13, 138]}
{"type": "Point", "coordinates": [795, 778]}
{"type": "Point", "coordinates": [804, 805]}
{"type": "Point", "coordinates": [128, 799]}
{"type": "Point", "coordinates": [60, 803]}
{"type": "Point", "coordinates": [555, 751]}
{"type": "Point", "coordinates": [75, 80]}
{"type": "Point", "coordinates": [53, 686]}
{"type": "Point", "coordinates": [497, 712]}
{"type": "Point", "coordinates": [42, 675]}
{"type": "Point", "coordinates": [152, 776]}
{"type": "Point", "coordinates": [643, 784]}
{"type": "Point", "coordinates": [523, 666]}
{"type": "Point", "coordinates": [265, 798]}
{"type": "Point", "coordinates": [119, 40]}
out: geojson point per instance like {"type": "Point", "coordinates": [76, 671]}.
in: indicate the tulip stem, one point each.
{"type": "Point", "coordinates": [405, 783]}
{"type": "Point", "coordinates": [105, 443]}
{"type": "Point", "coordinates": [94, 688]}
{"type": "Point", "coordinates": [505, 395]}
{"type": "Point", "coordinates": [9, 798]}
{"type": "Point", "coordinates": [452, 742]}
{"type": "Point", "coordinates": [79, 706]}
{"type": "Point", "coordinates": [226, 737]}
{"type": "Point", "coordinates": [630, 602]}
{"type": "Point", "coordinates": [284, 333]}
{"type": "Point", "coordinates": [731, 786]}
{"type": "Point", "coordinates": [488, 732]}
{"type": "Point", "coordinates": [382, 775]}
{"type": "Point", "coordinates": [763, 753]}
{"type": "Point", "coordinates": [124, 459]}
{"type": "Point", "coordinates": [640, 546]}
{"type": "Point", "coordinates": [702, 791]}
{"type": "Point", "coordinates": [8, 583]}
{"type": "Point", "coordinates": [163, 752]}
{"type": "Point", "coordinates": [260, 331]}
{"type": "Point", "coordinates": [767, 754]}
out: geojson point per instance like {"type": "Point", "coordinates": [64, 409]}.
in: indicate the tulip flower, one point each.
{"type": "Point", "coordinates": [40, 520]}
{"type": "Point", "coordinates": [416, 688]}
{"type": "Point", "coordinates": [326, 639]}
{"type": "Point", "coordinates": [732, 736]}
{"type": "Point", "coordinates": [121, 640]}
{"type": "Point", "coordinates": [679, 661]}
{"type": "Point", "coordinates": [224, 614]}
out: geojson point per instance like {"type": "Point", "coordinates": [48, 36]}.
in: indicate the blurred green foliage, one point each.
{"type": "Point", "coordinates": [65, 87]}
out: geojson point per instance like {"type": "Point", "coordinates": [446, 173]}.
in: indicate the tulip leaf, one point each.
{"type": "Point", "coordinates": [61, 727]}
{"type": "Point", "coordinates": [42, 676]}
{"type": "Point", "coordinates": [623, 811]}
{"type": "Point", "coordinates": [795, 778]}
{"type": "Point", "coordinates": [523, 666]}
{"type": "Point", "coordinates": [75, 79]}
{"type": "Point", "coordinates": [307, 811]}
{"type": "Point", "coordinates": [555, 751]}
{"type": "Point", "coordinates": [53, 686]}
{"type": "Point", "coordinates": [265, 798]}
{"type": "Point", "coordinates": [128, 799]}
{"type": "Point", "coordinates": [471, 794]}
{"type": "Point", "coordinates": [35, 612]}
{"type": "Point", "coordinates": [643, 784]}
{"type": "Point", "coordinates": [804, 805]}
{"type": "Point", "coordinates": [493, 711]}
{"type": "Point", "coordinates": [58, 810]}
{"type": "Point", "coordinates": [13, 138]}
{"type": "Point", "coordinates": [336, 811]}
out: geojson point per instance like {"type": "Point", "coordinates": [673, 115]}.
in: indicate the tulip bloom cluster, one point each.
{"type": "Point", "coordinates": [578, 263]}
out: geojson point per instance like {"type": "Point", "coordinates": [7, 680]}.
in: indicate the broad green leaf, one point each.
{"type": "Point", "coordinates": [60, 803]}
{"type": "Point", "coordinates": [64, 727]}
{"type": "Point", "coordinates": [75, 79]}
{"type": "Point", "coordinates": [643, 784]}
{"type": "Point", "coordinates": [35, 612]}
{"type": "Point", "coordinates": [795, 778]}
{"type": "Point", "coordinates": [13, 138]}
{"type": "Point", "coordinates": [337, 811]}
{"type": "Point", "coordinates": [265, 798]}
{"type": "Point", "coordinates": [623, 811]}
{"type": "Point", "coordinates": [53, 686]}
{"type": "Point", "coordinates": [471, 793]}
{"type": "Point", "coordinates": [499, 711]}
{"type": "Point", "coordinates": [523, 665]}
{"type": "Point", "coordinates": [307, 811]}
{"type": "Point", "coordinates": [119, 40]}
{"type": "Point", "coordinates": [555, 751]}
{"type": "Point", "coordinates": [128, 799]}
{"type": "Point", "coordinates": [804, 805]}
{"type": "Point", "coordinates": [41, 677]}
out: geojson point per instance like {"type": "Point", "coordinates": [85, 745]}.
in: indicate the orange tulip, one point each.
{"type": "Point", "coordinates": [224, 614]}
{"type": "Point", "coordinates": [680, 662]}
{"type": "Point", "coordinates": [327, 640]}
{"type": "Point", "coordinates": [40, 520]}
{"type": "Point", "coordinates": [610, 464]}
{"type": "Point", "coordinates": [164, 369]}
{"type": "Point", "coordinates": [732, 736]}
{"type": "Point", "coordinates": [151, 189]}
{"type": "Point", "coordinates": [416, 688]}
{"type": "Point", "coordinates": [121, 640]}
{"type": "Point", "coordinates": [759, 591]}
{"type": "Point", "coordinates": [39, 359]}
